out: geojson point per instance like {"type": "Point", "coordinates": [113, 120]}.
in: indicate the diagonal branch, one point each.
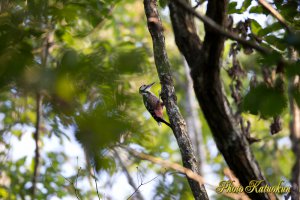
{"type": "Point", "coordinates": [178, 168]}
{"type": "Point", "coordinates": [169, 97]}
{"type": "Point", "coordinates": [166, 164]}
{"type": "Point", "coordinates": [275, 14]}
{"type": "Point", "coordinates": [205, 72]}
{"type": "Point", "coordinates": [209, 22]}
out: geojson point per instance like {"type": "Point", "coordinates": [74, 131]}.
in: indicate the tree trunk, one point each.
{"type": "Point", "coordinates": [295, 139]}
{"type": "Point", "coordinates": [169, 97]}
{"type": "Point", "coordinates": [295, 134]}
{"type": "Point", "coordinates": [204, 61]}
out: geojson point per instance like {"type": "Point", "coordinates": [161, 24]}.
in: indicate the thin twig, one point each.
{"type": "Point", "coordinates": [72, 183]}
{"type": "Point", "coordinates": [139, 175]}
{"type": "Point", "coordinates": [76, 190]}
{"type": "Point", "coordinates": [137, 189]}
{"type": "Point", "coordinates": [275, 14]}
{"type": "Point", "coordinates": [96, 184]}
{"type": "Point", "coordinates": [77, 194]}
{"type": "Point", "coordinates": [198, 3]}
{"type": "Point", "coordinates": [36, 140]}
{"type": "Point", "coordinates": [212, 24]}
{"type": "Point", "coordinates": [127, 174]}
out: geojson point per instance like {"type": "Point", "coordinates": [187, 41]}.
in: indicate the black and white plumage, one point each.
{"type": "Point", "coordinates": [153, 104]}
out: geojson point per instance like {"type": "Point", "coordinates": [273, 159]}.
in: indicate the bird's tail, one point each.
{"type": "Point", "coordinates": [165, 122]}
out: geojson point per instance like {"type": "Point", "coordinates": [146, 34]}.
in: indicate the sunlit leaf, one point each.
{"type": "Point", "coordinates": [21, 161]}
{"type": "Point", "coordinates": [65, 88]}
{"type": "Point", "coordinates": [255, 26]}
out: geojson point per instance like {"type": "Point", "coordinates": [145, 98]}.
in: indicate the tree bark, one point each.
{"type": "Point", "coordinates": [169, 97]}
{"type": "Point", "coordinates": [295, 133]}
{"type": "Point", "coordinates": [295, 139]}
{"type": "Point", "coordinates": [204, 61]}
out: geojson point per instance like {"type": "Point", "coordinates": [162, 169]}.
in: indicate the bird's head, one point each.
{"type": "Point", "coordinates": [145, 88]}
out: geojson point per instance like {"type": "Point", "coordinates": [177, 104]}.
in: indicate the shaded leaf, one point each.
{"type": "Point", "coordinates": [294, 40]}
{"type": "Point", "coordinates": [232, 8]}
{"type": "Point", "coordinates": [293, 69]}
{"type": "Point", "coordinates": [269, 29]}
{"type": "Point", "coordinates": [272, 59]}
{"type": "Point", "coordinates": [257, 10]}
{"type": "Point", "coordinates": [245, 5]}
{"type": "Point", "coordinates": [277, 42]}
{"type": "Point", "coordinates": [163, 3]}
{"type": "Point", "coordinates": [264, 101]}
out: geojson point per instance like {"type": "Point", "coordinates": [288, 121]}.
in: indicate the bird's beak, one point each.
{"type": "Point", "coordinates": [150, 85]}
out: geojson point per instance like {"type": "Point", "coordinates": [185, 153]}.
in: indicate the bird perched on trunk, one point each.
{"type": "Point", "coordinates": [153, 104]}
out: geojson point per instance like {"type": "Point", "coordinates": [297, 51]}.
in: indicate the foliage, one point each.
{"type": "Point", "coordinates": [88, 58]}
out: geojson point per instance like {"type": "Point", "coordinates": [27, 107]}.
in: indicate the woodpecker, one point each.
{"type": "Point", "coordinates": [153, 104]}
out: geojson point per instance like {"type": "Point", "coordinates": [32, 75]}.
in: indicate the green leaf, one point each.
{"type": "Point", "coordinates": [293, 69]}
{"type": "Point", "coordinates": [232, 8]}
{"type": "Point", "coordinates": [245, 5]}
{"type": "Point", "coordinates": [257, 10]}
{"type": "Point", "coordinates": [264, 101]}
{"type": "Point", "coordinates": [255, 26]}
{"type": "Point", "coordinates": [289, 11]}
{"type": "Point", "coordinates": [69, 61]}
{"type": "Point", "coordinates": [13, 62]}
{"type": "Point", "coordinates": [277, 42]}
{"type": "Point", "coordinates": [271, 59]}
{"type": "Point", "coordinates": [100, 128]}
{"type": "Point", "coordinates": [293, 40]}
{"type": "Point", "coordinates": [21, 161]}
{"type": "Point", "coordinates": [163, 3]}
{"type": "Point", "coordinates": [17, 133]}
{"type": "Point", "coordinates": [105, 163]}
{"type": "Point", "coordinates": [130, 59]}
{"type": "Point", "coordinates": [269, 29]}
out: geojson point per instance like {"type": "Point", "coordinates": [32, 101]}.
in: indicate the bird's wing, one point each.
{"type": "Point", "coordinates": [159, 109]}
